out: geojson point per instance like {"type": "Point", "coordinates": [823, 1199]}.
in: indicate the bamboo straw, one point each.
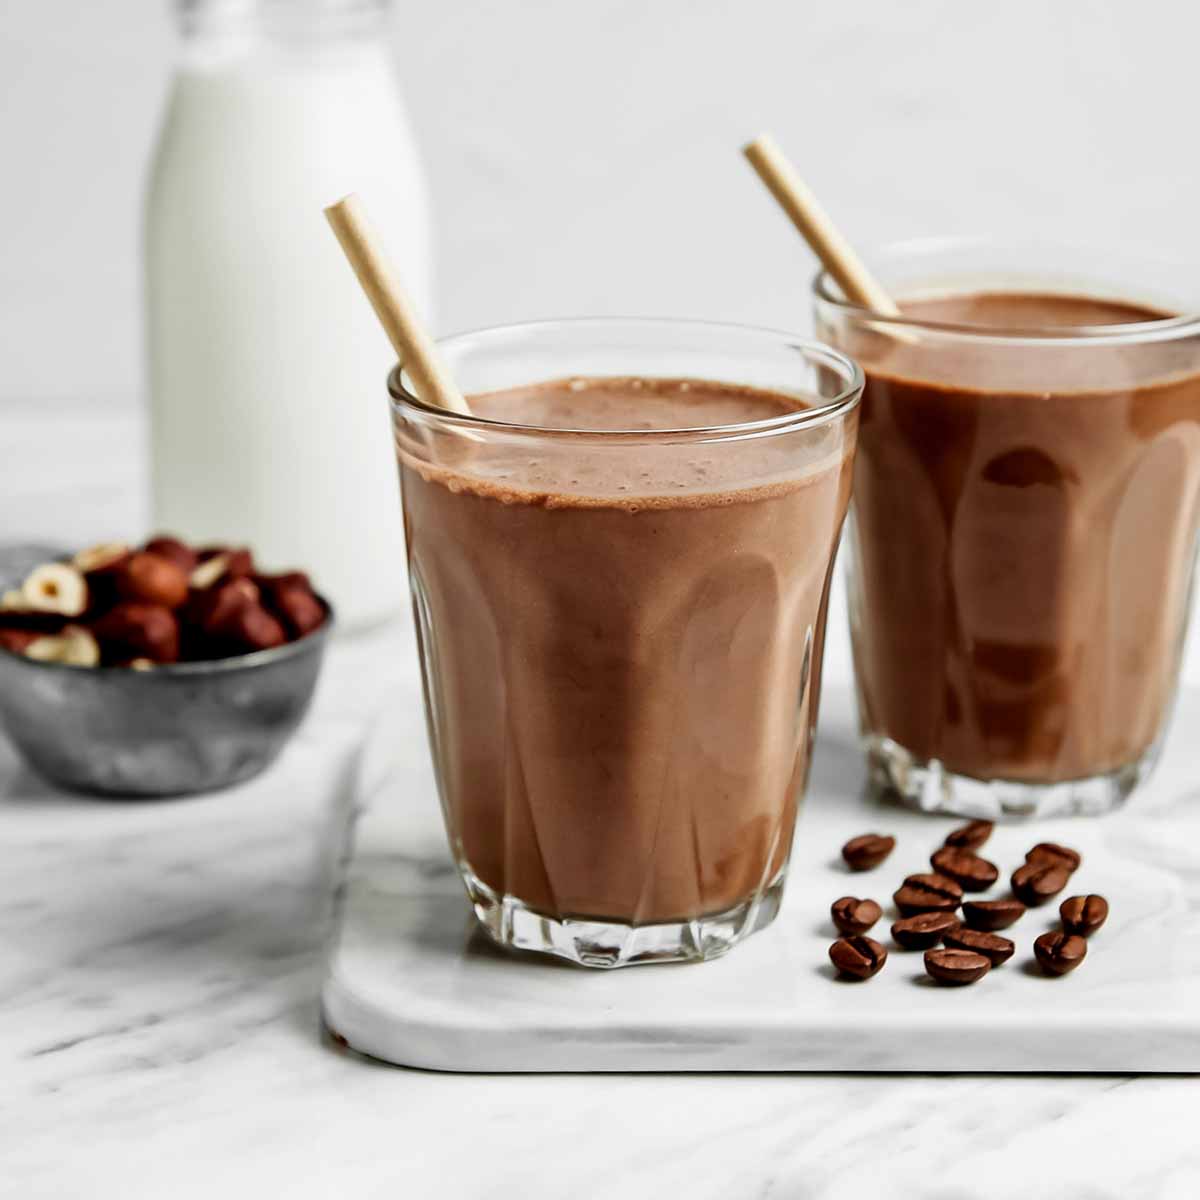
{"type": "Point", "coordinates": [399, 319]}
{"type": "Point", "coordinates": [806, 213]}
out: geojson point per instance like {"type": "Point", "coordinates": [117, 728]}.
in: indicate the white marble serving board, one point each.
{"type": "Point", "coordinates": [412, 981]}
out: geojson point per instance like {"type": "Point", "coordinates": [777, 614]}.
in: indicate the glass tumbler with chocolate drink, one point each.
{"type": "Point", "coordinates": [1024, 521]}
{"type": "Point", "coordinates": [620, 563]}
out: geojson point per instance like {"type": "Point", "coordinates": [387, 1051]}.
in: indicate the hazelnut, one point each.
{"type": "Point", "coordinates": [233, 621]}
{"type": "Point", "coordinates": [75, 647]}
{"type": "Point", "coordinates": [241, 562]}
{"type": "Point", "coordinates": [55, 588]}
{"type": "Point", "coordinates": [136, 630]}
{"type": "Point", "coordinates": [207, 573]}
{"type": "Point", "coordinates": [152, 579]}
{"type": "Point", "coordinates": [16, 640]}
{"type": "Point", "coordinates": [180, 553]}
{"type": "Point", "coordinates": [220, 562]}
{"type": "Point", "coordinates": [101, 566]}
{"type": "Point", "coordinates": [285, 579]}
{"type": "Point", "coordinates": [226, 599]}
{"type": "Point", "coordinates": [100, 557]}
{"type": "Point", "coordinates": [251, 627]}
{"type": "Point", "coordinates": [291, 598]}
{"type": "Point", "coordinates": [207, 610]}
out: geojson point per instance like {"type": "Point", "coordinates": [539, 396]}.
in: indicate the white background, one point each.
{"type": "Point", "coordinates": [583, 159]}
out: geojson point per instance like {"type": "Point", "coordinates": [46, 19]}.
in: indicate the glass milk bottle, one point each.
{"type": "Point", "coordinates": [265, 361]}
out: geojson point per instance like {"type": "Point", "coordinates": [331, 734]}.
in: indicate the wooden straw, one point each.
{"type": "Point", "coordinates": [798, 201]}
{"type": "Point", "coordinates": [408, 335]}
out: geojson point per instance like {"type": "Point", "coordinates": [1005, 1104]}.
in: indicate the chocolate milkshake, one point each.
{"type": "Point", "coordinates": [621, 639]}
{"type": "Point", "coordinates": [1026, 500]}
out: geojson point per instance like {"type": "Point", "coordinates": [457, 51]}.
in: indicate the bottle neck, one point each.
{"type": "Point", "coordinates": [280, 21]}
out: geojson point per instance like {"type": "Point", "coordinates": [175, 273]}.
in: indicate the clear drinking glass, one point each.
{"type": "Point", "coordinates": [1023, 528]}
{"type": "Point", "coordinates": [620, 634]}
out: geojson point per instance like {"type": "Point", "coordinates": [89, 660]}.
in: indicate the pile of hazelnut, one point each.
{"type": "Point", "coordinates": [112, 605]}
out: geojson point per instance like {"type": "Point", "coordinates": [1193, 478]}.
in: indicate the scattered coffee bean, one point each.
{"type": "Point", "coordinates": [1040, 880]}
{"type": "Point", "coordinates": [1062, 856]}
{"type": "Point", "coordinates": [927, 893]}
{"type": "Point", "coordinates": [857, 957]}
{"type": "Point", "coordinates": [967, 869]}
{"type": "Point", "coordinates": [1083, 915]}
{"type": "Point", "coordinates": [1058, 952]}
{"type": "Point", "coordinates": [992, 946]}
{"type": "Point", "coordinates": [852, 915]}
{"type": "Point", "coordinates": [970, 836]}
{"type": "Point", "coordinates": [924, 930]}
{"type": "Point", "coordinates": [956, 967]}
{"type": "Point", "coordinates": [927, 903]}
{"type": "Point", "coordinates": [992, 914]}
{"type": "Point", "coordinates": [867, 851]}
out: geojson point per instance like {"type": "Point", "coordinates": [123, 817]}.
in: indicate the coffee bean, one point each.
{"type": "Point", "coordinates": [1062, 856]}
{"type": "Point", "coordinates": [867, 851]}
{"type": "Point", "coordinates": [968, 870]}
{"type": "Point", "coordinates": [1083, 915]}
{"type": "Point", "coordinates": [924, 930]}
{"type": "Point", "coordinates": [970, 836]}
{"type": "Point", "coordinates": [1038, 881]}
{"type": "Point", "coordinates": [852, 915]}
{"type": "Point", "coordinates": [927, 893]}
{"type": "Point", "coordinates": [1058, 952]}
{"type": "Point", "coordinates": [857, 957]}
{"type": "Point", "coordinates": [956, 967]}
{"type": "Point", "coordinates": [992, 914]}
{"type": "Point", "coordinates": [992, 946]}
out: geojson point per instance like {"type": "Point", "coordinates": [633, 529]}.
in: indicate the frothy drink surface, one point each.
{"type": "Point", "coordinates": [1025, 525]}
{"type": "Point", "coordinates": [622, 642]}
{"type": "Point", "coordinates": [630, 403]}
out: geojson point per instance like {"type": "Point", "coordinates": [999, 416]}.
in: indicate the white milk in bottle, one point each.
{"type": "Point", "coordinates": [269, 422]}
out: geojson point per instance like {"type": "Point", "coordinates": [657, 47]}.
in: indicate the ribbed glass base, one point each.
{"type": "Point", "coordinates": [614, 944]}
{"type": "Point", "coordinates": [926, 785]}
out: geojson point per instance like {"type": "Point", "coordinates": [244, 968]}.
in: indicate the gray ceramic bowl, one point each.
{"type": "Point", "coordinates": [187, 727]}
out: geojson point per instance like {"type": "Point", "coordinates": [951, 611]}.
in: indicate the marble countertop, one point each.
{"type": "Point", "coordinates": [160, 965]}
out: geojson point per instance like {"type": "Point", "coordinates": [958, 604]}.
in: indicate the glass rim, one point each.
{"type": "Point", "coordinates": [1160, 329]}
{"type": "Point", "coordinates": [403, 400]}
